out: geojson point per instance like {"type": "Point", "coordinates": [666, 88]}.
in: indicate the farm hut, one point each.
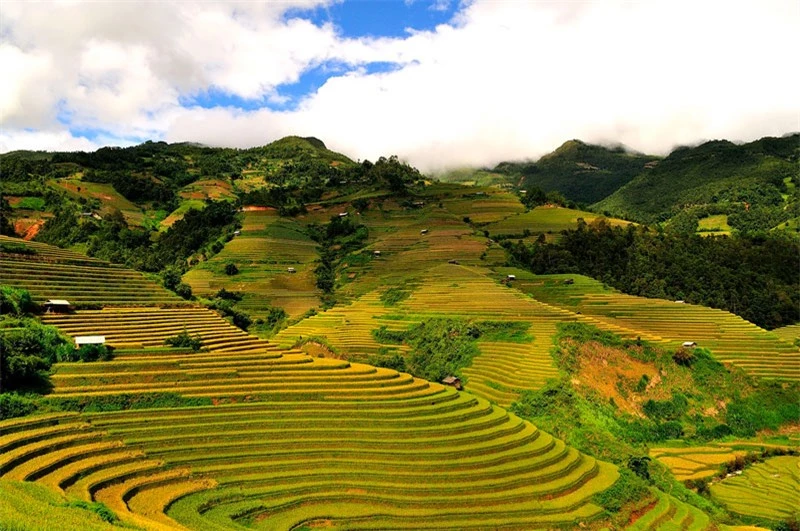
{"type": "Point", "coordinates": [569, 281]}
{"type": "Point", "coordinates": [689, 344]}
{"type": "Point", "coordinates": [237, 232]}
{"type": "Point", "coordinates": [376, 253]}
{"type": "Point", "coordinates": [452, 381]}
{"type": "Point", "coordinates": [291, 270]}
{"type": "Point", "coordinates": [424, 231]}
{"type": "Point", "coordinates": [89, 340]}
{"type": "Point", "coordinates": [342, 214]}
{"type": "Point", "coordinates": [419, 204]}
{"type": "Point", "coordinates": [455, 262]}
{"type": "Point", "coordinates": [523, 192]}
{"type": "Point", "coordinates": [57, 306]}
{"type": "Point", "coordinates": [511, 277]}
{"type": "Point", "coordinates": [680, 302]}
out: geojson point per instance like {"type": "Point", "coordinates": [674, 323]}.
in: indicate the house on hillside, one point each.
{"type": "Point", "coordinates": [511, 277]}
{"type": "Point", "coordinates": [424, 231]}
{"type": "Point", "coordinates": [376, 253]}
{"type": "Point", "coordinates": [57, 306]}
{"type": "Point", "coordinates": [89, 340]}
{"type": "Point", "coordinates": [453, 381]}
{"type": "Point", "coordinates": [237, 232]}
{"type": "Point", "coordinates": [291, 270]}
{"type": "Point", "coordinates": [342, 214]}
{"type": "Point", "coordinates": [453, 261]}
{"type": "Point", "coordinates": [569, 281]}
{"type": "Point", "coordinates": [689, 344]}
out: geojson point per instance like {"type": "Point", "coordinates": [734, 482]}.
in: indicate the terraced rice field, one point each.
{"type": "Point", "coordinates": [32, 506]}
{"type": "Point", "coordinates": [405, 251]}
{"type": "Point", "coordinates": [765, 491]}
{"type": "Point", "coordinates": [730, 338]}
{"type": "Point", "coordinates": [418, 463]}
{"type": "Point", "coordinates": [485, 205]}
{"type": "Point", "coordinates": [790, 333]}
{"type": "Point", "coordinates": [545, 219]}
{"type": "Point", "coordinates": [267, 246]}
{"type": "Point", "coordinates": [503, 368]}
{"type": "Point", "coordinates": [54, 273]}
{"type": "Point", "coordinates": [103, 192]}
{"type": "Point", "coordinates": [299, 440]}
{"type": "Point", "coordinates": [670, 513]}
{"type": "Point", "coordinates": [71, 457]}
{"type": "Point", "coordinates": [695, 462]}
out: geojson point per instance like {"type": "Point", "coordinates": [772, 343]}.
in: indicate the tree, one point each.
{"type": "Point", "coordinates": [231, 269]}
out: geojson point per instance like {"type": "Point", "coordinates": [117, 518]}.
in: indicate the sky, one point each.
{"type": "Point", "coordinates": [440, 83]}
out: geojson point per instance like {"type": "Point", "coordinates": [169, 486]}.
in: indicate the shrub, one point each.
{"type": "Point", "coordinates": [228, 295]}
{"type": "Point", "coordinates": [184, 291]}
{"type": "Point", "coordinates": [392, 296]}
{"type": "Point", "coordinates": [231, 269]}
{"type": "Point", "coordinates": [384, 335]}
{"type": "Point", "coordinates": [628, 488]}
{"type": "Point", "coordinates": [15, 301]}
{"type": "Point", "coordinates": [13, 405]}
{"type": "Point", "coordinates": [98, 508]}
{"type": "Point", "coordinates": [395, 361]}
{"type": "Point", "coordinates": [87, 353]}
{"type": "Point", "coordinates": [184, 340]}
{"type": "Point", "coordinates": [684, 357]}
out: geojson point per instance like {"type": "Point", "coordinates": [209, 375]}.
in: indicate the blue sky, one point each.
{"type": "Point", "coordinates": [352, 20]}
{"type": "Point", "coordinates": [439, 83]}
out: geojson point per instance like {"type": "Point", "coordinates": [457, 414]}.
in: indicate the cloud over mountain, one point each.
{"type": "Point", "coordinates": [500, 80]}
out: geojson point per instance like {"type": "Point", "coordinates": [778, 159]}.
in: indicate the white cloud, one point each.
{"type": "Point", "coordinates": [504, 80]}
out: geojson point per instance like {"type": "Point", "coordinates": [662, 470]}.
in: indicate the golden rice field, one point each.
{"type": "Point", "coordinates": [55, 273]}
{"type": "Point", "coordinates": [264, 251]}
{"type": "Point", "coordinates": [291, 441]}
{"type": "Point", "coordinates": [730, 338]}
{"type": "Point", "coordinates": [547, 218]}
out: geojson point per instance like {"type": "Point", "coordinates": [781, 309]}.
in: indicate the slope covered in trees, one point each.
{"type": "Point", "coordinates": [584, 173]}
{"type": "Point", "coordinates": [748, 181]}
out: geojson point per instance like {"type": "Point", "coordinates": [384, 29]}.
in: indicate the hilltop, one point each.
{"type": "Point", "coordinates": [584, 173]}
{"type": "Point", "coordinates": [717, 187]}
{"type": "Point", "coordinates": [718, 176]}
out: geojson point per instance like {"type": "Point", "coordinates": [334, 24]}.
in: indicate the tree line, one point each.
{"type": "Point", "coordinates": [753, 277]}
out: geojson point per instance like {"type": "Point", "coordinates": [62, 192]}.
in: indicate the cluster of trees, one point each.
{"type": "Point", "coordinates": [336, 239]}
{"type": "Point", "coordinates": [720, 173]}
{"type": "Point", "coordinates": [730, 273]}
{"type": "Point", "coordinates": [29, 348]}
{"type": "Point", "coordinates": [111, 238]}
{"type": "Point", "coordinates": [305, 179]}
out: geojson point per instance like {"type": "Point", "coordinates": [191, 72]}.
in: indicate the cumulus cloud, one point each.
{"type": "Point", "coordinates": [502, 80]}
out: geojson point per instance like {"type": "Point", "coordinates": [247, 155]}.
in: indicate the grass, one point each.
{"type": "Point", "coordinates": [28, 203]}
{"type": "Point", "coordinates": [717, 223]}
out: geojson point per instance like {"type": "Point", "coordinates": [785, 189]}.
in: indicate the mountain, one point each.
{"type": "Point", "coordinates": [584, 173]}
{"type": "Point", "coordinates": [719, 174]}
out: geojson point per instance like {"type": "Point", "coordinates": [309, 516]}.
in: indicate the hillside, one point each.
{"type": "Point", "coordinates": [311, 342]}
{"type": "Point", "coordinates": [725, 177]}
{"type": "Point", "coordinates": [584, 173]}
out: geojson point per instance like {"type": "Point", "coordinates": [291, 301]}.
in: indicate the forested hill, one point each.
{"type": "Point", "coordinates": [719, 177]}
{"type": "Point", "coordinates": [584, 173]}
